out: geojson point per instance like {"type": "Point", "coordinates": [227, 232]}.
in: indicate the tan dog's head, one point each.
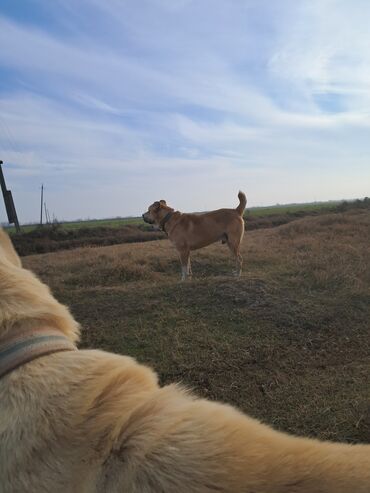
{"type": "Point", "coordinates": [156, 212]}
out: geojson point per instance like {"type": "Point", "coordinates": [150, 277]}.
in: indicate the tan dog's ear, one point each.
{"type": "Point", "coordinates": [163, 202]}
{"type": "Point", "coordinates": [156, 205]}
{"type": "Point", "coordinates": [7, 250]}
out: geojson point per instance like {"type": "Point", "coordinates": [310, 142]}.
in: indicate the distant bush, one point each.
{"type": "Point", "coordinates": [277, 219]}
{"type": "Point", "coordinates": [356, 204]}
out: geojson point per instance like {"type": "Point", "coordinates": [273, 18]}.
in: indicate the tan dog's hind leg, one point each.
{"type": "Point", "coordinates": [234, 249]}
{"type": "Point", "coordinates": [234, 239]}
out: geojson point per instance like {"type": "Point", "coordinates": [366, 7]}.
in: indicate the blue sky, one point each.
{"type": "Point", "coordinates": [114, 104]}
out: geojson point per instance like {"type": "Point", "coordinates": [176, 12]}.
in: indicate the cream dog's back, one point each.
{"type": "Point", "coordinates": [90, 421]}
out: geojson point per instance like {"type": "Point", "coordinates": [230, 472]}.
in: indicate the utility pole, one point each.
{"type": "Point", "coordinates": [47, 215]}
{"type": "Point", "coordinates": [9, 202]}
{"type": "Point", "coordinates": [42, 203]}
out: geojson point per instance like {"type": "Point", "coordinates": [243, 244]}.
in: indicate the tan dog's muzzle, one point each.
{"type": "Point", "coordinates": [147, 218]}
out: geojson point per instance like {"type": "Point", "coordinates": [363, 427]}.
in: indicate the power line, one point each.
{"type": "Point", "coordinates": [8, 134]}
{"type": "Point", "coordinates": [42, 203]}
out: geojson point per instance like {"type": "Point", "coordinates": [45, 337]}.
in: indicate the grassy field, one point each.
{"type": "Point", "coordinates": [288, 342]}
{"type": "Point", "coordinates": [62, 236]}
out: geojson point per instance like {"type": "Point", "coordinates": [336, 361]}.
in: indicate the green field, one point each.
{"type": "Point", "coordinates": [87, 223]}
{"type": "Point", "coordinates": [291, 208]}
{"type": "Point", "coordinates": [258, 212]}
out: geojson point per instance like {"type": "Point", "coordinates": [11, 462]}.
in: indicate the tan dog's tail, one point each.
{"type": "Point", "coordinates": [242, 203]}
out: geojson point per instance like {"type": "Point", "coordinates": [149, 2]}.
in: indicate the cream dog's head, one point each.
{"type": "Point", "coordinates": [156, 212]}
{"type": "Point", "coordinates": [25, 300]}
{"type": "Point", "coordinates": [7, 251]}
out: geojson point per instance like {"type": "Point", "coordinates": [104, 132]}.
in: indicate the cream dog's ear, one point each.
{"type": "Point", "coordinates": [7, 250]}
{"type": "Point", "coordinates": [156, 205]}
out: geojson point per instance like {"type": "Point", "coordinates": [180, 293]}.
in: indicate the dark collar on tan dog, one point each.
{"type": "Point", "coordinates": [166, 218]}
{"type": "Point", "coordinates": [25, 346]}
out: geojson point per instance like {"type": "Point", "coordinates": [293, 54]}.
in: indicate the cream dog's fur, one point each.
{"type": "Point", "coordinates": [192, 231]}
{"type": "Point", "coordinates": [90, 421]}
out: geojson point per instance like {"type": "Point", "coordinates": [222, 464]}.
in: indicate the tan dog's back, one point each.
{"type": "Point", "coordinates": [200, 230]}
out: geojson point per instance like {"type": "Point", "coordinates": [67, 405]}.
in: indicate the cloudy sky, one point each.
{"type": "Point", "coordinates": [113, 104]}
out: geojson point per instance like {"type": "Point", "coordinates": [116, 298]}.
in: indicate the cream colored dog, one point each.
{"type": "Point", "coordinates": [87, 421]}
{"type": "Point", "coordinates": [189, 232]}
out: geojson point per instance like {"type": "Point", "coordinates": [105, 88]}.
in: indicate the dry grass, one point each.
{"type": "Point", "coordinates": [288, 342]}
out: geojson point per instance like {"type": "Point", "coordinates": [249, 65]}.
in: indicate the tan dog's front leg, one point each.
{"type": "Point", "coordinates": [185, 264]}
{"type": "Point", "coordinates": [190, 272]}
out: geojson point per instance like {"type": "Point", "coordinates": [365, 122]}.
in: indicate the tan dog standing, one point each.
{"type": "Point", "coordinates": [87, 421]}
{"type": "Point", "coordinates": [190, 232]}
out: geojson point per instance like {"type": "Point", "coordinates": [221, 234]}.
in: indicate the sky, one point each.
{"type": "Point", "coordinates": [115, 104]}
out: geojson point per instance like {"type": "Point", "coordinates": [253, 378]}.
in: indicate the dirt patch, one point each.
{"type": "Point", "coordinates": [53, 238]}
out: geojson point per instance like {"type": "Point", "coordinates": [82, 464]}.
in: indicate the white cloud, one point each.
{"type": "Point", "coordinates": [326, 49]}
{"type": "Point", "coordinates": [129, 100]}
